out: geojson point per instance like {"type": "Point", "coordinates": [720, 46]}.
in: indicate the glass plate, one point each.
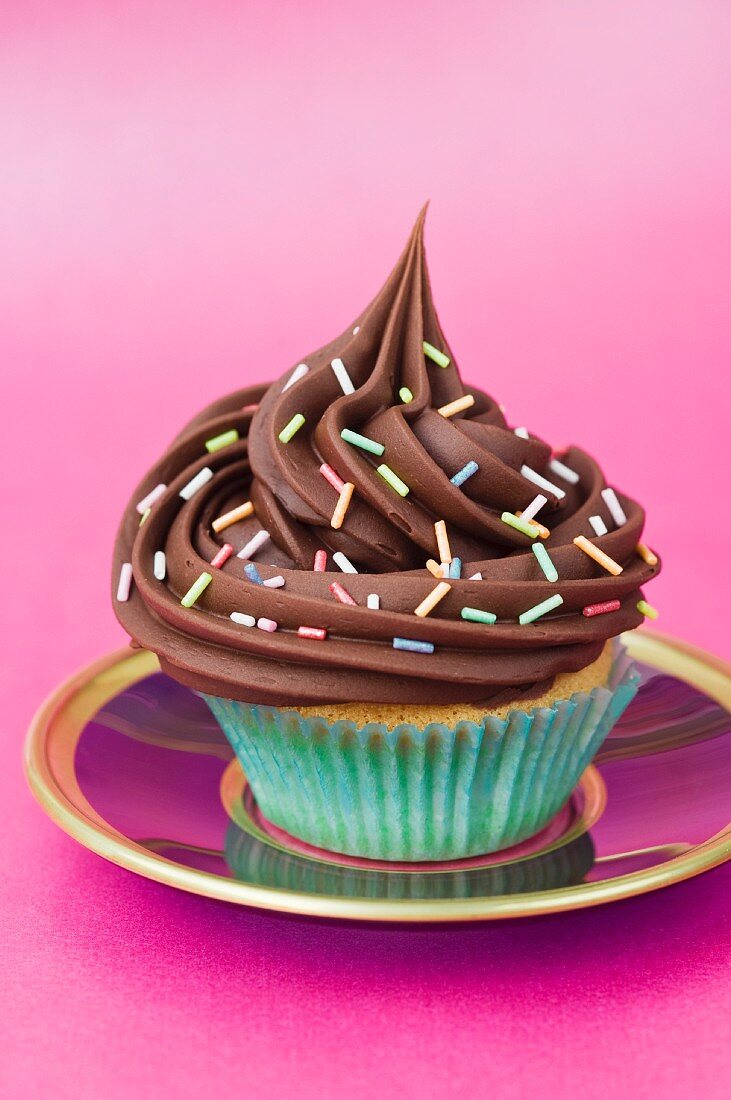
{"type": "Point", "coordinates": [134, 767]}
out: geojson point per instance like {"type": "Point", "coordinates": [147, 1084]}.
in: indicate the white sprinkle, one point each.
{"type": "Point", "coordinates": [297, 373]}
{"type": "Point", "coordinates": [522, 433]}
{"type": "Point", "coordinates": [196, 483]}
{"type": "Point", "coordinates": [254, 544]}
{"type": "Point", "coordinates": [598, 524]}
{"type": "Point", "coordinates": [534, 507]}
{"type": "Point", "coordinates": [563, 471]}
{"type": "Point", "coordinates": [541, 482]}
{"type": "Point", "coordinates": [274, 582]}
{"type": "Point", "coordinates": [149, 500]}
{"type": "Point", "coordinates": [342, 376]}
{"type": "Point", "coordinates": [356, 330]}
{"type": "Point", "coordinates": [373, 601]}
{"type": "Point", "coordinates": [125, 582]}
{"type": "Point", "coordinates": [610, 499]}
{"type": "Point", "coordinates": [345, 564]}
{"type": "Point", "coordinates": [266, 624]}
{"type": "Point", "coordinates": [159, 565]}
{"type": "Point", "coordinates": [444, 565]}
{"type": "Point", "coordinates": [242, 619]}
{"type": "Point", "coordinates": [475, 577]}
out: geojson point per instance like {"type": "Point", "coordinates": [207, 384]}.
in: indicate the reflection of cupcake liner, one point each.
{"type": "Point", "coordinates": [433, 793]}
{"type": "Point", "coordinates": [256, 861]}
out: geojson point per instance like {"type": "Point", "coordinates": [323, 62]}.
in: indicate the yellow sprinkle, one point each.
{"type": "Point", "coordinates": [145, 515]}
{"type": "Point", "coordinates": [457, 406]}
{"type": "Point", "coordinates": [542, 531]}
{"type": "Point", "coordinates": [647, 610]}
{"type": "Point", "coordinates": [233, 516]}
{"type": "Point", "coordinates": [434, 568]}
{"type": "Point", "coordinates": [430, 602]}
{"type": "Point", "coordinates": [440, 529]}
{"type": "Point", "coordinates": [646, 554]}
{"type": "Point", "coordinates": [598, 555]}
{"type": "Point", "coordinates": [342, 505]}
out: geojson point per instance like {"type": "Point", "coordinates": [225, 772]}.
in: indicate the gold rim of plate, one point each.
{"type": "Point", "coordinates": [73, 703]}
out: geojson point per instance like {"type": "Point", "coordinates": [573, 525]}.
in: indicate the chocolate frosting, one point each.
{"type": "Point", "coordinates": [388, 538]}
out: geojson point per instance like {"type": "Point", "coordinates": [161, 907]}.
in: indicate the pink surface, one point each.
{"type": "Point", "coordinates": [195, 196]}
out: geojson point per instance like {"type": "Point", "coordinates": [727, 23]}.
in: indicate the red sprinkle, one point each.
{"type": "Point", "coordinates": [223, 555]}
{"type": "Point", "coordinates": [330, 476]}
{"type": "Point", "coordinates": [601, 608]}
{"type": "Point", "coordinates": [342, 594]}
{"type": "Point", "coordinates": [314, 632]}
{"type": "Point", "coordinates": [320, 561]}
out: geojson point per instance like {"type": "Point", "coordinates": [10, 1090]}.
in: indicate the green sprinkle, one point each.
{"type": "Point", "coordinates": [436, 355]}
{"type": "Point", "coordinates": [474, 615]}
{"type": "Point", "coordinates": [406, 395]}
{"type": "Point", "coordinates": [362, 441]}
{"type": "Point", "coordinates": [647, 610]}
{"type": "Point", "coordinates": [144, 515]}
{"type": "Point", "coordinates": [196, 589]}
{"type": "Point", "coordinates": [393, 480]}
{"type": "Point", "coordinates": [549, 569]}
{"type": "Point", "coordinates": [519, 524]}
{"type": "Point", "coordinates": [292, 428]}
{"type": "Point", "coordinates": [222, 440]}
{"type": "Point", "coordinates": [543, 608]}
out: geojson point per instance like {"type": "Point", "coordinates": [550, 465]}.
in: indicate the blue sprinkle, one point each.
{"type": "Point", "coordinates": [467, 471]}
{"type": "Point", "coordinates": [253, 573]}
{"type": "Point", "coordinates": [455, 569]}
{"type": "Point", "coordinates": [412, 645]}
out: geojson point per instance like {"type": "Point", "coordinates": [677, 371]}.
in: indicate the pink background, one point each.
{"type": "Point", "coordinates": [193, 196]}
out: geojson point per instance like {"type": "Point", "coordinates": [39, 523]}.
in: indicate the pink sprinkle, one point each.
{"type": "Point", "coordinates": [267, 624]}
{"type": "Point", "coordinates": [223, 555]}
{"type": "Point", "coordinates": [249, 408]}
{"type": "Point", "coordinates": [274, 582]}
{"type": "Point", "coordinates": [320, 561]}
{"type": "Point", "coordinates": [342, 594]}
{"type": "Point", "coordinates": [315, 632]}
{"type": "Point", "coordinates": [601, 608]}
{"type": "Point", "coordinates": [330, 476]}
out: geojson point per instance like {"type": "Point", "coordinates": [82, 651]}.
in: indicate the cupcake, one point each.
{"type": "Point", "coordinates": [402, 611]}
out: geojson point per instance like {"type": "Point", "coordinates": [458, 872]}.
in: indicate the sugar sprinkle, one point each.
{"type": "Point", "coordinates": [542, 482]}
{"type": "Point", "coordinates": [149, 500]}
{"type": "Point", "coordinates": [411, 645]}
{"type": "Point", "coordinates": [299, 372]}
{"type": "Point", "coordinates": [461, 404]}
{"type": "Point", "coordinates": [159, 565]}
{"type": "Point", "coordinates": [338, 369]}
{"type": "Point", "coordinates": [229, 518]}
{"type": "Point", "coordinates": [430, 602]}
{"type": "Point", "coordinates": [615, 508]}
{"type": "Point", "coordinates": [435, 355]}
{"type": "Point", "coordinates": [549, 569]}
{"type": "Point", "coordinates": [598, 555]}
{"type": "Point", "coordinates": [196, 590]}
{"type": "Point", "coordinates": [344, 563]}
{"type": "Point", "coordinates": [124, 584]}
{"type": "Point", "coordinates": [540, 609]}
{"type": "Point", "coordinates": [255, 543]}
{"type": "Point", "coordinates": [242, 619]}
{"type": "Point", "coordinates": [342, 595]}
{"type": "Point", "coordinates": [196, 483]}
{"type": "Point", "coordinates": [222, 556]}
{"type": "Point", "coordinates": [466, 472]}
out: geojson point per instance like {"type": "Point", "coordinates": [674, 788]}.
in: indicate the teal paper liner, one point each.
{"type": "Point", "coordinates": [421, 794]}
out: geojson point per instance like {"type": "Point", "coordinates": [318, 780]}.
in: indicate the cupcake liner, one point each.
{"type": "Point", "coordinates": [421, 794]}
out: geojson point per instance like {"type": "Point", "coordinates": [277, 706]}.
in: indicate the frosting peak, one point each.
{"type": "Point", "coordinates": [359, 452]}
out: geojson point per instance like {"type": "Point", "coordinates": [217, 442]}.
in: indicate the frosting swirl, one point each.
{"type": "Point", "coordinates": [387, 537]}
